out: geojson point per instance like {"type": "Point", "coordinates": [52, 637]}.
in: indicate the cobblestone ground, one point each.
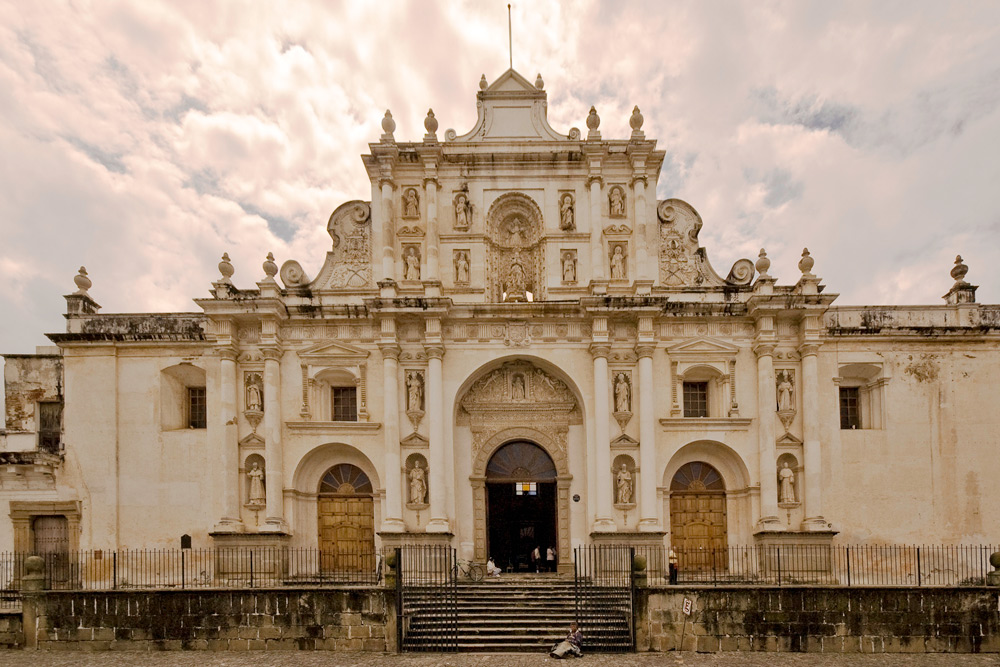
{"type": "Point", "coordinates": [327, 659]}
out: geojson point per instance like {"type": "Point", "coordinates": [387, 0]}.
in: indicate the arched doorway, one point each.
{"type": "Point", "coordinates": [521, 505]}
{"type": "Point", "coordinates": [346, 520]}
{"type": "Point", "coordinates": [698, 517]}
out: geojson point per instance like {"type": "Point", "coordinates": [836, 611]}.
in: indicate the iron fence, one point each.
{"type": "Point", "coordinates": [224, 567]}
{"type": "Point", "coordinates": [836, 565]}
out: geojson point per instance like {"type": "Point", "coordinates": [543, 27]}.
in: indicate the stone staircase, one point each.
{"type": "Point", "coordinates": [522, 613]}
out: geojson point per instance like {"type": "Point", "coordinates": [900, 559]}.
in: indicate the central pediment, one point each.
{"type": "Point", "coordinates": [518, 387]}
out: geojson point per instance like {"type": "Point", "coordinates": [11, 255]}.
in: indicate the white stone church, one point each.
{"type": "Point", "coordinates": [513, 344]}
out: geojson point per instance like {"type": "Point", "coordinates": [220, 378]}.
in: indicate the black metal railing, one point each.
{"type": "Point", "coordinates": [604, 596]}
{"type": "Point", "coordinates": [836, 565]}
{"type": "Point", "coordinates": [427, 597]}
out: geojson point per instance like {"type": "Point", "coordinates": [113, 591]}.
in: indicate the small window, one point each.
{"type": "Point", "coordinates": [695, 399]}
{"type": "Point", "coordinates": [345, 404]}
{"type": "Point", "coordinates": [50, 426]}
{"type": "Point", "coordinates": [197, 408]}
{"type": "Point", "coordinates": [850, 411]}
{"type": "Point", "coordinates": [526, 488]}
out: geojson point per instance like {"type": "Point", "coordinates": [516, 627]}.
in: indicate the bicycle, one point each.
{"type": "Point", "coordinates": [469, 569]}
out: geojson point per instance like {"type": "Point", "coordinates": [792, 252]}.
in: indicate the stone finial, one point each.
{"type": "Point", "coordinates": [226, 268]}
{"type": "Point", "coordinates": [635, 121]}
{"type": "Point", "coordinates": [388, 126]}
{"type": "Point", "coordinates": [763, 263]}
{"type": "Point", "coordinates": [593, 120]}
{"type": "Point", "coordinates": [993, 578]}
{"type": "Point", "coordinates": [483, 84]}
{"type": "Point", "coordinates": [539, 84]}
{"type": "Point", "coordinates": [959, 271]}
{"type": "Point", "coordinates": [270, 268]}
{"type": "Point", "coordinates": [83, 283]}
{"type": "Point", "coordinates": [430, 123]}
{"type": "Point", "coordinates": [806, 263]}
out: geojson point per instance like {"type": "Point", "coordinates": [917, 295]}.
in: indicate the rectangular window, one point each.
{"type": "Point", "coordinates": [695, 399]}
{"type": "Point", "coordinates": [850, 412]}
{"type": "Point", "coordinates": [197, 408]}
{"type": "Point", "coordinates": [345, 404]}
{"type": "Point", "coordinates": [50, 426]}
{"type": "Point", "coordinates": [526, 488]}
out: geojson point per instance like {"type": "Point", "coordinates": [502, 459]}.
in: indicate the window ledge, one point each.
{"type": "Point", "coordinates": [706, 424]}
{"type": "Point", "coordinates": [333, 427]}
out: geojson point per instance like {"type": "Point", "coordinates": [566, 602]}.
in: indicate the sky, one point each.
{"type": "Point", "coordinates": [142, 139]}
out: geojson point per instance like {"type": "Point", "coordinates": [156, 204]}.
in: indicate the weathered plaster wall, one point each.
{"type": "Point", "coordinates": [29, 379]}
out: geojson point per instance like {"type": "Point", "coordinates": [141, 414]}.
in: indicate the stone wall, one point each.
{"type": "Point", "coordinates": [342, 620]}
{"type": "Point", "coordinates": [820, 619]}
{"type": "Point", "coordinates": [10, 629]}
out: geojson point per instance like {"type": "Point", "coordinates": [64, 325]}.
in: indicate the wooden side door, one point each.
{"type": "Point", "coordinates": [698, 528]}
{"type": "Point", "coordinates": [346, 533]}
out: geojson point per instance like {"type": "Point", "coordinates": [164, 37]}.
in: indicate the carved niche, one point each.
{"type": "Point", "coordinates": [515, 249]}
{"type": "Point", "coordinates": [349, 263]}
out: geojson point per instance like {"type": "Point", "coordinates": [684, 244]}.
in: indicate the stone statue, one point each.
{"type": "Point", "coordinates": [569, 268]}
{"type": "Point", "coordinates": [566, 218]}
{"type": "Point", "coordinates": [623, 398]}
{"type": "Point", "coordinates": [624, 485]}
{"type": "Point", "coordinates": [787, 477]}
{"type": "Point", "coordinates": [517, 388]}
{"type": "Point", "coordinates": [515, 232]}
{"type": "Point", "coordinates": [255, 476]}
{"type": "Point", "coordinates": [785, 387]}
{"type": "Point", "coordinates": [412, 261]}
{"type": "Point", "coordinates": [418, 483]}
{"type": "Point", "coordinates": [617, 205]}
{"type": "Point", "coordinates": [618, 264]}
{"type": "Point", "coordinates": [461, 212]}
{"type": "Point", "coordinates": [414, 391]}
{"type": "Point", "coordinates": [411, 208]}
{"type": "Point", "coordinates": [462, 267]}
{"type": "Point", "coordinates": [516, 287]}
{"type": "Point", "coordinates": [254, 401]}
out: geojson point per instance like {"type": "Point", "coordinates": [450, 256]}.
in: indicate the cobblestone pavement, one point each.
{"type": "Point", "coordinates": [329, 659]}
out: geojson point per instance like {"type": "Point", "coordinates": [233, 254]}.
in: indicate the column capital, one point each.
{"type": "Point", "coordinates": [809, 349]}
{"type": "Point", "coordinates": [389, 351]}
{"type": "Point", "coordinates": [431, 180]}
{"type": "Point", "coordinates": [227, 353]}
{"type": "Point", "coordinates": [645, 350]}
{"type": "Point", "coordinates": [434, 351]}
{"type": "Point", "coordinates": [600, 350]}
{"type": "Point", "coordinates": [764, 348]}
{"type": "Point", "coordinates": [271, 353]}
{"type": "Point", "coordinates": [385, 180]}
{"type": "Point", "coordinates": [595, 178]}
{"type": "Point", "coordinates": [640, 178]}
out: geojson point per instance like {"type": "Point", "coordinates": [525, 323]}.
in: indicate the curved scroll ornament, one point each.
{"type": "Point", "coordinates": [349, 263]}
{"type": "Point", "coordinates": [741, 273]}
{"type": "Point", "coordinates": [683, 263]}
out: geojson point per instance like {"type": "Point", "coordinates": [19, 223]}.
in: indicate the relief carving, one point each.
{"type": "Point", "coordinates": [616, 202]}
{"type": "Point", "coordinates": [567, 214]}
{"type": "Point", "coordinates": [411, 203]}
{"type": "Point", "coordinates": [349, 263]}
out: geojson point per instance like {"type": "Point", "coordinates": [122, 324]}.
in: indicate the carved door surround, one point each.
{"type": "Point", "coordinates": [520, 401]}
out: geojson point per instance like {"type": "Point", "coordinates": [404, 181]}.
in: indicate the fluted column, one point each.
{"type": "Point", "coordinates": [438, 463]}
{"type": "Point", "coordinates": [274, 469]}
{"type": "Point", "coordinates": [227, 426]}
{"type": "Point", "coordinates": [596, 243]}
{"type": "Point", "coordinates": [392, 512]}
{"type": "Point", "coordinates": [603, 523]}
{"type": "Point", "coordinates": [641, 249]}
{"type": "Point", "coordinates": [766, 401]}
{"type": "Point", "coordinates": [649, 521]}
{"type": "Point", "coordinates": [810, 442]}
{"type": "Point", "coordinates": [388, 233]}
{"type": "Point", "coordinates": [433, 259]}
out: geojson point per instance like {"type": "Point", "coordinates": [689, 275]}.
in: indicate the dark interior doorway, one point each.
{"type": "Point", "coordinates": [521, 505]}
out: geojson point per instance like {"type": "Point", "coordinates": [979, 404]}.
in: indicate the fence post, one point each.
{"type": "Point", "coordinates": [251, 568]}
{"type": "Point", "coordinates": [779, 565]}
{"type": "Point", "coordinates": [114, 570]}
{"type": "Point", "coordinates": [399, 599]}
{"type": "Point", "coordinates": [713, 567]}
{"type": "Point", "coordinates": [919, 581]}
{"type": "Point", "coordinates": [182, 569]}
{"type": "Point", "coordinates": [848, 566]}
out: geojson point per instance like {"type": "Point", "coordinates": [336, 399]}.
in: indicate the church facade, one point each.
{"type": "Point", "coordinates": [512, 345]}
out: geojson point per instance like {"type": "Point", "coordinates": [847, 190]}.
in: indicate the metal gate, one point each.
{"type": "Point", "coordinates": [426, 598]}
{"type": "Point", "coordinates": [604, 593]}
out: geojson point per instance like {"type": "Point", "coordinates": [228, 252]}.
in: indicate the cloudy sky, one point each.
{"type": "Point", "coordinates": [143, 138]}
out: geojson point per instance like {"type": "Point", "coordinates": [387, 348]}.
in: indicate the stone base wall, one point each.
{"type": "Point", "coordinates": [818, 619]}
{"type": "Point", "coordinates": [336, 620]}
{"type": "Point", "coordinates": [10, 629]}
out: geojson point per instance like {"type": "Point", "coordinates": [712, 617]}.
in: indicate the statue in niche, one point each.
{"type": "Point", "coordinates": [567, 221]}
{"type": "Point", "coordinates": [462, 207]}
{"type": "Point", "coordinates": [785, 388]}
{"type": "Point", "coordinates": [411, 204]}
{"type": "Point", "coordinates": [462, 267]}
{"type": "Point", "coordinates": [255, 477]}
{"type": "Point", "coordinates": [255, 395]}
{"type": "Point", "coordinates": [623, 393]}
{"type": "Point", "coordinates": [618, 264]}
{"type": "Point", "coordinates": [411, 260]}
{"type": "Point", "coordinates": [786, 476]}
{"type": "Point", "coordinates": [568, 268]}
{"type": "Point", "coordinates": [418, 483]}
{"type": "Point", "coordinates": [516, 288]}
{"type": "Point", "coordinates": [516, 229]}
{"type": "Point", "coordinates": [624, 485]}
{"type": "Point", "coordinates": [517, 388]}
{"type": "Point", "coordinates": [414, 391]}
{"type": "Point", "coordinates": [617, 202]}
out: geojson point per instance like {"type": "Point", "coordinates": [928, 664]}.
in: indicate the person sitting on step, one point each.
{"type": "Point", "coordinates": [572, 646]}
{"type": "Point", "coordinates": [491, 568]}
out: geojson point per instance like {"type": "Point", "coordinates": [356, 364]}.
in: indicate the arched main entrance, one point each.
{"type": "Point", "coordinates": [346, 515]}
{"type": "Point", "coordinates": [521, 504]}
{"type": "Point", "coordinates": [698, 516]}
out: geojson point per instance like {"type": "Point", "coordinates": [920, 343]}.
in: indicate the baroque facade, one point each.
{"type": "Point", "coordinates": [513, 344]}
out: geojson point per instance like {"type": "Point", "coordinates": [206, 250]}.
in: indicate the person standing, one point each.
{"type": "Point", "coordinates": [550, 559]}
{"type": "Point", "coordinates": [672, 565]}
{"type": "Point", "coordinates": [536, 559]}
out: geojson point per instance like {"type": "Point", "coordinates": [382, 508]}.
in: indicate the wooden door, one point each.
{"type": "Point", "coordinates": [346, 533]}
{"type": "Point", "coordinates": [698, 518]}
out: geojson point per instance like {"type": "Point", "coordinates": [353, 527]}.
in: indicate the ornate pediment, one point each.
{"type": "Point", "coordinates": [348, 265]}
{"type": "Point", "coordinates": [519, 387]}
{"type": "Point", "coordinates": [702, 347]}
{"type": "Point", "coordinates": [683, 262]}
{"type": "Point", "coordinates": [332, 352]}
